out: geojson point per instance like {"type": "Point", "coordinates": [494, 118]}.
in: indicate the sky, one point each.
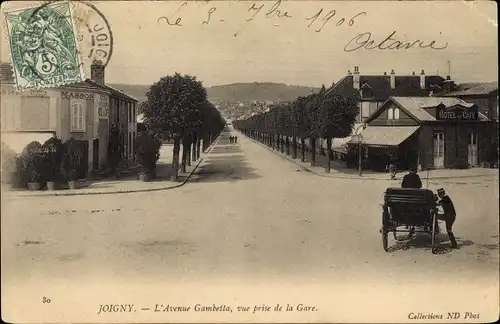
{"type": "Point", "coordinates": [282, 47]}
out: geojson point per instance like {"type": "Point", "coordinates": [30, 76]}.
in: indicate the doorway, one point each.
{"type": "Point", "coordinates": [472, 150]}
{"type": "Point", "coordinates": [95, 154]}
{"type": "Point", "coordinates": [439, 150]}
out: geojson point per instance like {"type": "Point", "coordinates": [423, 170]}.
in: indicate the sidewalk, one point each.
{"type": "Point", "coordinates": [340, 171]}
{"type": "Point", "coordinates": [127, 184]}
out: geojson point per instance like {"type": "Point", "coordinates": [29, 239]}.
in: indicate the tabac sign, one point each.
{"type": "Point", "coordinates": [457, 113]}
{"type": "Point", "coordinates": [103, 106]}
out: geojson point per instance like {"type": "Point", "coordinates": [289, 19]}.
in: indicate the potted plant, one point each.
{"type": "Point", "coordinates": [71, 160]}
{"type": "Point", "coordinates": [35, 166]}
{"type": "Point", "coordinates": [147, 153]}
{"type": "Point", "coordinates": [54, 149]}
{"type": "Point", "coordinates": [31, 165]}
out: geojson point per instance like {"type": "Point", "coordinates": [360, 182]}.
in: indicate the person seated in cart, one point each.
{"type": "Point", "coordinates": [449, 215]}
{"type": "Point", "coordinates": [412, 180]}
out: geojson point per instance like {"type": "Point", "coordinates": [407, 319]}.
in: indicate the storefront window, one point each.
{"type": "Point", "coordinates": [472, 150]}
{"type": "Point", "coordinates": [438, 150]}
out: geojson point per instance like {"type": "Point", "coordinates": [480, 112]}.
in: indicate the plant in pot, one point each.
{"type": "Point", "coordinates": [148, 153]}
{"type": "Point", "coordinates": [71, 160]}
{"type": "Point", "coordinates": [35, 167]}
{"type": "Point", "coordinates": [31, 165]}
{"type": "Point", "coordinates": [54, 148]}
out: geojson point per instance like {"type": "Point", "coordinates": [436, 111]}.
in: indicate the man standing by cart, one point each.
{"type": "Point", "coordinates": [449, 215]}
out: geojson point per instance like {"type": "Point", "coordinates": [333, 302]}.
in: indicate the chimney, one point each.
{"type": "Point", "coordinates": [355, 78]}
{"type": "Point", "coordinates": [393, 80]}
{"type": "Point", "coordinates": [422, 80]}
{"type": "Point", "coordinates": [97, 72]}
{"type": "Point", "coordinates": [448, 85]}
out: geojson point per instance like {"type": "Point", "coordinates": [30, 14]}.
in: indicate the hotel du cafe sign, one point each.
{"type": "Point", "coordinates": [457, 113]}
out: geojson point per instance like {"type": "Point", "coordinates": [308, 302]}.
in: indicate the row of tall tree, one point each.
{"type": "Point", "coordinates": [177, 108]}
{"type": "Point", "coordinates": [319, 115]}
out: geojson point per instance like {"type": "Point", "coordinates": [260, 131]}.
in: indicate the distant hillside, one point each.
{"type": "Point", "coordinates": [237, 92]}
{"type": "Point", "coordinates": [247, 92]}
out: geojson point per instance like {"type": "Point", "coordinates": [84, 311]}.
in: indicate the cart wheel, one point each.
{"type": "Point", "coordinates": [385, 230]}
{"type": "Point", "coordinates": [433, 234]}
{"type": "Point", "coordinates": [385, 240]}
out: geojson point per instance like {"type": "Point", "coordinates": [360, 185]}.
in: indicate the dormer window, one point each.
{"type": "Point", "coordinates": [365, 91]}
{"type": "Point", "coordinates": [393, 113]}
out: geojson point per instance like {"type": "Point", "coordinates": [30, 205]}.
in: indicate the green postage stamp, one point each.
{"type": "Point", "coordinates": [43, 46]}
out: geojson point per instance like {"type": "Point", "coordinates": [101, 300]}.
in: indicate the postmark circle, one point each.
{"type": "Point", "coordinates": [94, 35]}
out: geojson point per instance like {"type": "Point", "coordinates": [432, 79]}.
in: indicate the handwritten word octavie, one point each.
{"type": "Point", "coordinates": [275, 11]}
{"type": "Point", "coordinates": [365, 41]}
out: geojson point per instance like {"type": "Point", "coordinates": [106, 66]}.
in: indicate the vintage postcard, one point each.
{"type": "Point", "coordinates": [249, 161]}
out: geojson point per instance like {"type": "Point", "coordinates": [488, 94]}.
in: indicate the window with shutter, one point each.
{"type": "Point", "coordinates": [77, 116]}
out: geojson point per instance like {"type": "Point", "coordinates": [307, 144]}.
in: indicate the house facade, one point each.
{"type": "Point", "coordinates": [433, 132]}
{"type": "Point", "coordinates": [372, 91]}
{"type": "Point", "coordinates": [81, 111]}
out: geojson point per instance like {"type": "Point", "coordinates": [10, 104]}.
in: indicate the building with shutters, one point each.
{"type": "Point", "coordinates": [84, 111]}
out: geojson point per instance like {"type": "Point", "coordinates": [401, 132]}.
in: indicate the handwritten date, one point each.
{"type": "Point", "coordinates": [326, 18]}
{"type": "Point", "coordinates": [275, 11]}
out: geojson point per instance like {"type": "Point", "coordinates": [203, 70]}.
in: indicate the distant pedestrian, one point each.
{"type": "Point", "coordinates": [450, 215]}
{"type": "Point", "coordinates": [412, 180]}
{"type": "Point", "coordinates": [236, 139]}
{"type": "Point", "coordinates": [230, 139]}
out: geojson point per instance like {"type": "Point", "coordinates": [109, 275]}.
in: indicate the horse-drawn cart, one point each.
{"type": "Point", "coordinates": [410, 211]}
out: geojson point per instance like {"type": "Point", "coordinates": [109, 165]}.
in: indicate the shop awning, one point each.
{"type": "Point", "coordinates": [386, 135]}
{"type": "Point", "coordinates": [18, 141]}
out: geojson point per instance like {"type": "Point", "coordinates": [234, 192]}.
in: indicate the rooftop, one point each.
{"type": "Point", "coordinates": [380, 86]}
{"type": "Point", "coordinates": [7, 77]}
{"type": "Point", "coordinates": [417, 105]}
{"type": "Point", "coordinates": [472, 89]}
